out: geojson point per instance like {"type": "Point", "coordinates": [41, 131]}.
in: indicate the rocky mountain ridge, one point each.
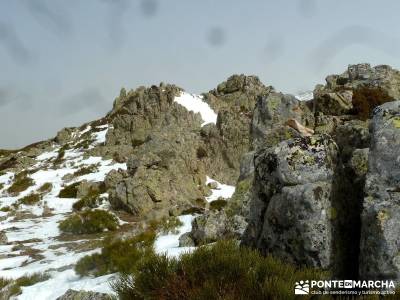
{"type": "Point", "coordinates": [317, 181]}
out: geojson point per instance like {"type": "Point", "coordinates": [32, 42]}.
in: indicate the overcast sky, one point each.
{"type": "Point", "coordinates": [63, 62]}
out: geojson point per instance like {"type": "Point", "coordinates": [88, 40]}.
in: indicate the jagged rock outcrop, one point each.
{"type": "Point", "coordinates": [270, 121]}
{"type": "Point", "coordinates": [163, 174]}
{"type": "Point", "coordinates": [171, 151]}
{"type": "Point", "coordinates": [380, 243]}
{"type": "Point", "coordinates": [234, 101]}
{"type": "Point", "coordinates": [357, 91]}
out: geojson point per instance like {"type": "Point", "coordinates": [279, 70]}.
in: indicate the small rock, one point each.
{"type": "Point", "coordinates": [3, 238]}
{"type": "Point", "coordinates": [186, 240]}
{"type": "Point", "coordinates": [83, 295]}
{"type": "Point", "coordinates": [213, 185]}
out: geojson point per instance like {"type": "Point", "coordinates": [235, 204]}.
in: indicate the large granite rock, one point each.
{"type": "Point", "coordinates": [380, 243]}
{"type": "Point", "coordinates": [290, 212]}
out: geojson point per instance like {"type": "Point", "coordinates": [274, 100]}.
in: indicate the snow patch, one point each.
{"type": "Point", "coordinates": [223, 190]}
{"type": "Point", "coordinates": [169, 244]}
{"type": "Point", "coordinates": [196, 104]}
{"type": "Point", "coordinates": [305, 96]}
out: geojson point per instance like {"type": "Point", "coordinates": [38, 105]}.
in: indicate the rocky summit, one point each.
{"type": "Point", "coordinates": [312, 180]}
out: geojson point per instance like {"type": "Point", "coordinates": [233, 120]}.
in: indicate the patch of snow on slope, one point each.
{"type": "Point", "coordinates": [37, 227]}
{"type": "Point", "coordinates": [63, 281]}
{"type": "Point", "coordinates": [222, 190]}
{"type": "Point", "coordinates": [196, 104]}
{"type": "Point", "coordinates": [100, 136]}
{"type": "Point", "coordinates": [305, 96]}
{"type": "Point", "coordinates": [48, 155]}
{"type": "Point", "coordinates": [169, 243]}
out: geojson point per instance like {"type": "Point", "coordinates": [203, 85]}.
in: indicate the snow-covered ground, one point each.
{"type": "Point", "coordinates": [34, 228]}
{"type": "Point", "coordinates": [196, 104]}
{"type": "Point", "coordinates": [169, 243]}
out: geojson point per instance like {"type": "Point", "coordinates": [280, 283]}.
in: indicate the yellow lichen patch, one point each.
{"type": "Point", "coordinates": [396, 122]}
{"type": "Point", "coordinates": [382, 216]}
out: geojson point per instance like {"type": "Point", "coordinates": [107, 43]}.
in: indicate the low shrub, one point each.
{"type": "Point", "coordinates": [85, 202]}
{"type": "Point", "coordinates": [193, 210]}
{"type": "Point", "coordinates": [91, 200]}
{"type": "Point", "coordinates": [85, 170]}
{"type": "Point", "coordinates": [89, 221]}
{"type": "Point", "coordinates": [166, 225]}
{"type": "Point", "coordinates": [4, 282]}
{"type": "Point", "coordinates": [14, 286]}
{"type": "Point", "coordinates": [61, 154]}
{"type": "Point", "coordinates": [21, 183]}
{"type": "Point", "coordinates": [218, 204]}
{"type": "Point", "coordinates": [222, 271]}
{"type": "Point", "coordinates": [30, 199]}
{"type": "Point", "coordinates": [5, 209]}
{"type": "Point", "coordinates": [69, 191]}
{"type": "Point", "coordinates": [365, 99]}
{"type": "Point", "coordinates": [117, 256]}
{"type": "Point", "coordinates": [32, 279]}
{"type": "Point", "coordinates": [84, 144]}
{"type": "Point", "coordinates": [45, 188]}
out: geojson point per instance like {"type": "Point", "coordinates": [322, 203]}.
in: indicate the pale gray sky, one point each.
{"type": "Point", "coordinates": [63, 62]}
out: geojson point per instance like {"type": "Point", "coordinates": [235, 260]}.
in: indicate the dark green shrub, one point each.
{"type": "Point", "coordinates": [365, 99]}
{"type": "Point", "coordinates": [21, 183]}
{"type": "Point", "coordinates": [221, 271]}
{"type": "Point", "coordinates": [45, 188]}
{"type": "Point", "coordinates": [30, 199]}
{"type": "Point", "coordinates": [61, 154]}
{"type": "Point", "coordinates": [218, 204]}
{"type": "Point", "coordinates": [5, 209]}
{"type": "Point", "coordinates": [32, 279]}
{"type": "Point", "coordinates": [69, 191]}
{"type": "Point", "coordinates": [4, 282]}
{"type": "Point", "coordinates": [84, 144]}
{"type": "Point", "coordinates": [91, 200]}
{"type": "Point", "coordinates": [86, 170]}
{"type": "Point", "coordinates": [85, 202]}
{"type": "Point", "coordinates": [117, 256]}
{"type": "Point", "coordinates": [89, 221]}
{"type": "Point", "coordinates": [193, 210]}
